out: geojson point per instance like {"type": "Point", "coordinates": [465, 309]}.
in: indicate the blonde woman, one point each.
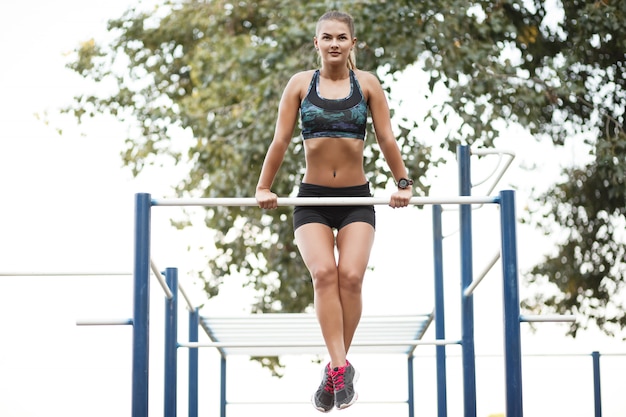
{"type": "Point", "coordinates": [332, 103]}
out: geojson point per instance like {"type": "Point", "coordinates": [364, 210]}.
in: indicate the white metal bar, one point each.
{"type": "Point", "coordinates": [500, 152]}
{"type": "Point", "coordinates": [63, 274]}
{"type": "Point", "coordinates": [190, 305]}
{"type": "Point", "coordinates": [470, 289]}
{"type": "Point", "coordinates": [104, 322]}
{"type": "Point", "coordinates": [556, 318]}
{"type": "Point", "coordinates": [161, 279]}
{"type": "Point", "coordinates": [261, 345]}
{"type": "Point", "coordinates": [320, 201]}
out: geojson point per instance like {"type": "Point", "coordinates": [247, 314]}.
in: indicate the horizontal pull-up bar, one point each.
{"type": "Point", "coordinates": [320, 201]}
{"type": "Point", "coordinates": [104, 322]}
{"type": "Point", "coordinates": [547, 318]}
{"type": "Point", "coordinates": [386, 343]}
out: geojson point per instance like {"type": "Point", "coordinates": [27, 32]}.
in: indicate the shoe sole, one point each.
{"type": "Point", "coordinates": [356, 395]}
{"type": "Point", "coordinates": [321, 410]}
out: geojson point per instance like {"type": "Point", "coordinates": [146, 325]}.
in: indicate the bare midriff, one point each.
{"type": "Point", "coordinates": [334, 162]}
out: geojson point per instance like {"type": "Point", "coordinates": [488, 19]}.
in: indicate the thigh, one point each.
{"type": "Point", "coordinates": [316, 243]}
{"type": "Point", "coordinates": [354, 244]}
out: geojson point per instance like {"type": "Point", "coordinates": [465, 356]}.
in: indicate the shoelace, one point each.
{"type": "Point", "coordinates": [338, 378]}
{"type": "Point", "coordinates": [330, 385]}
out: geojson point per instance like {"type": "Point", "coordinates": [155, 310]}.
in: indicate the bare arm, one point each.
{"type": "Point", "coordinates": [386, 139]}
{"type": "Point", "coordinates": [285, 123]}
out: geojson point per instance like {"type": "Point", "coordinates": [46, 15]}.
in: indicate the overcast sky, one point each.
{"type": "Point", "coordinates": [67, 205]}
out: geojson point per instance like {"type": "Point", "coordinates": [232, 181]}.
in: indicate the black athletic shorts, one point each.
{"type": "Point", "coordinates": [333, 216]}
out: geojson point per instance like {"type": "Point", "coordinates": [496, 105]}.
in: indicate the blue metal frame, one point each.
{"type": "Point", "coordinates": [440, 326]}
{"type": "Point", "coordinates": [411, 386]}
{"type": "Point", "coordinates": [194, 324]}
{"type": "Point", "coordinates": [141, 274]}
{"type": "Point", "coordinates": [512, 338]}
{"type": "Point", "coordinates": [171, 341]}
{"type": "Point", "coordinates": [597, 392]}
{"type": "Point", "coordinates": [141, 306]}
{"type": "Point", "coordinates": [467, 302]}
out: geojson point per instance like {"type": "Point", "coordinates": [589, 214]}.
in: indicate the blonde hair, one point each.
{"type": "Point", "coordinates": [343, 18]}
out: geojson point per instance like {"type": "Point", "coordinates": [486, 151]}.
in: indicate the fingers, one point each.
{"type": "Point", "coordinates": [400, 200]}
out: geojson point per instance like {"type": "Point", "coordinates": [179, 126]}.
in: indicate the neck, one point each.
{"type": "Point", "coordinates": [335, 73]}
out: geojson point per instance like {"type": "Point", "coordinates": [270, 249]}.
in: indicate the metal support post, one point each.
{"type": "Point", "coordinates": [223, 386]}
{"type": "Point", "coordinates": [467, 302]}
{"type": "Point", "coordinates": [171, 340]}
{"type": "Point", "coordinates": [597, 392]}
{"type": "Point", "coordinates": [411, 377]}
{"type": "Point", "coordinates": [440, 326]}
{"type": "Point", "coordinates": [512, 339]}
{"type": "Point", "coordinates": [194, 322]}
{"type": "Point", "coordinates": [141, 306]}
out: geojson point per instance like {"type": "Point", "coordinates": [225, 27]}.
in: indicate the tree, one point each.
{"type": "Point", "coordinates": [214, 70]}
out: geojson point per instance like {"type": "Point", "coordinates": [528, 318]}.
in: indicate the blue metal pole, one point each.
{"type": "Point", "coordinates": [597, 392]}
{"type": "Point", "coordinates": [440, 325]}
{"type": "Point", "coordinates": [467, 302]}
{"type": "Point", "coordinates": [512, 339]}
{"type": "Point", "coordinates": [223, 386]}
{"type": "Point", "coordinates": [141, 306]}
{"type": "Point", "coordinates": [194, 322]}
{"type": "Point", "coordinates": [171, 341]}
{"type": "Point", "coordinates": [411, 376]}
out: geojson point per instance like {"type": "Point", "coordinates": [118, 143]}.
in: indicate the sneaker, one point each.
{"type": "Point", "coordinates": [324, 398]}
{"type": "Point", "coordinates": [344, 379]}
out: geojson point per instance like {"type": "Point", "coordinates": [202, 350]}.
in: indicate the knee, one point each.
{"type": "Point", "coordinates": [324, 276]}
{"type": "Point", "coordinates": [350, 280]}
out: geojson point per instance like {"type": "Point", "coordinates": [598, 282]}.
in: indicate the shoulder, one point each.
{"type": "Point", "coordinates": [370, 84]}
{"type": "Point", "coordinates": [299, 82]}
{"type": "Point", "coordinates": [366, 78]}
{"type": "Point", "coordinates": [302, 77]}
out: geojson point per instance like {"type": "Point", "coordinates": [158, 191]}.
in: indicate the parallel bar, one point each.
{"type": "Point", "coordinates": [104, 322]}
{"type": "Point", "coordinates": [320, 201]}
{"type": "Point", "coordinates": [548, 318]}
{"type": "Point", "coordinates": [470, 290]}
{"type": "Point", "coordinates": [171, 336]}
{"type": "Point", "coordinates": [235, 345]}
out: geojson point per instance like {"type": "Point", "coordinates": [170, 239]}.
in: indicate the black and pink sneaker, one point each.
{"type": "Point", "coordinates": [324, 398]}
{"type": "Point", "coordinates": [344, 379]}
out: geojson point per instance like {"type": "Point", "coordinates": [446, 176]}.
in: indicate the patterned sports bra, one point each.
{"type": "Point", "coordinates": [342, 118]}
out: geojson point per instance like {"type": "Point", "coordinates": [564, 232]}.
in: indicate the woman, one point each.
{"type": "Point", "coordinates": [333, 102]}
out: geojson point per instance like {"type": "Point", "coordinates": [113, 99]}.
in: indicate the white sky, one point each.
{"type": "Point", "coordinates": [67, 205]}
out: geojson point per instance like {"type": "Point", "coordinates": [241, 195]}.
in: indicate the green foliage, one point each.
{"type": "Point", "coordinates": [202, 80]}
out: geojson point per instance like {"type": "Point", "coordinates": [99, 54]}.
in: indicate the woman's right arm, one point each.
{"type": "Point", "coordinates": [285, 123]}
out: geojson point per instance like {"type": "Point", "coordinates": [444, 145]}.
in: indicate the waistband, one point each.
{"type": "Point", "coordinates": [313, 190]}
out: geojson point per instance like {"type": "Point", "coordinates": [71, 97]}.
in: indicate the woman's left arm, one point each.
{"type": "Point", "coordinates": [379, 108]}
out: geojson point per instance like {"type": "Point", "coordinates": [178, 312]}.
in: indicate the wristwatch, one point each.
{"type": "Point", "coordinates": [404, 183]}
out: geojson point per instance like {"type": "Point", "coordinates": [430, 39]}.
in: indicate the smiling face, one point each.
{"type": "Point", "coordinates": [334, 41]}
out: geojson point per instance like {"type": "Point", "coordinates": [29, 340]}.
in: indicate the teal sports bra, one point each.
{"type": "Point", "coordinates": [341, 118]}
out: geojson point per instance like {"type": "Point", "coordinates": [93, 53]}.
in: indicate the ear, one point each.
{"type": "Point", "coordinates": [315, 43]}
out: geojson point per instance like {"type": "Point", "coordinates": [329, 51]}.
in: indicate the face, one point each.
{"type": "Point", "coordinates": [334, 41]}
